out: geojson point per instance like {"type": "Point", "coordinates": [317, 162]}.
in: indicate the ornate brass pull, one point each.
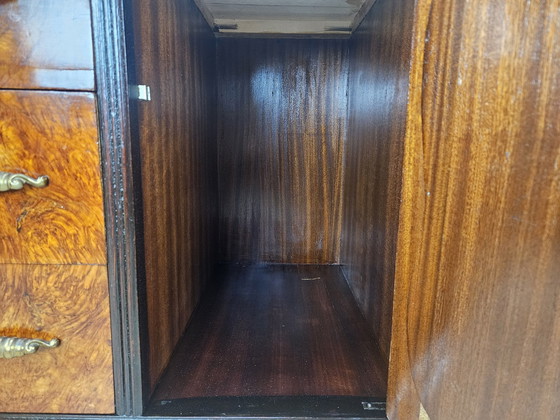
{"type": "Point", "coordinates": [15, 347]}
{"type": "Point", "coordinates": [10, 182]}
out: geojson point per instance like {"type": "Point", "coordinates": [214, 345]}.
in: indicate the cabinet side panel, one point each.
{"type": "Point", "coordinates": [478, 285]}
{"type": "Point", "coordinates": [378, 92]}
{"type": "Point", "coordinates": [281, 127]}
{"type": "Point", "coordinates": [175, 56]}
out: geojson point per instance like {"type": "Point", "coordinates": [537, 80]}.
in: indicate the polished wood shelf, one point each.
{"type": "Point", "coordinates": [273, 330]}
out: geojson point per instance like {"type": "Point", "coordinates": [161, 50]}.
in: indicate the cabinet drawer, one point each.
{"type": "Point", "coordinates": [69, 303]}
{"type": "Point", "coordinates": [54, 134]}
{"type": "Point", "coordinates": [46, 44]}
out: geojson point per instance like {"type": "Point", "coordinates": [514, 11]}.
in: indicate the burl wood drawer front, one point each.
{"type": "Point", "coordinates": [69, 303]}
{"type": "Point", "coordinates": [54, 134]}
{"type": "Point", "coordinates": [46, 44]}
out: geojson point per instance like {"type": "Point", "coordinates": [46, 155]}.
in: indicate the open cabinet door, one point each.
{"type": "Point", "coordinates": [476, 332]}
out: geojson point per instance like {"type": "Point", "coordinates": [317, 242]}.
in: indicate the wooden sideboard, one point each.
{"type": "Point", "coordinates": [422, 155]}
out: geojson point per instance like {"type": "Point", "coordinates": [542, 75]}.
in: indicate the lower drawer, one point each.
{"type": "Point", "coordinates": [68, 302]}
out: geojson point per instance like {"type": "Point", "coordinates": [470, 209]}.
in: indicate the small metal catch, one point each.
{"type": "Point", "coordinates": [378, 405]}
{"type": "Point", "coordinates": [143, 93]}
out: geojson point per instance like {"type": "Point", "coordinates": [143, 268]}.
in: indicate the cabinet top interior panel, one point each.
{"type": "Point", "coordinates": [284, 17]}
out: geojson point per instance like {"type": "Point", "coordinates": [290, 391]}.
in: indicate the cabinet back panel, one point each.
{"type": "Point", "coordinates": [281, 128]}
{"type": "Point", "coordinates": [378, 88]}
{"type": "Point", "coordinates": [175, 56]}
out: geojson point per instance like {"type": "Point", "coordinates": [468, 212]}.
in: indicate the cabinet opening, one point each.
{"type": "Point", "coordinates": [271, 340]}
{"type": "Point", "coordinates": [270, 202]}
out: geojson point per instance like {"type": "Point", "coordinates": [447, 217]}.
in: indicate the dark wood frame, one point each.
{"type": "Point", "coordinates": [271, 407]}
{"type": "Point", "coordinates": [122, 203]}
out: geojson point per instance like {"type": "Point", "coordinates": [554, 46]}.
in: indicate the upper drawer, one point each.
{"type": "Point", "coordinates": [46, 44]}
{"type": "Point", "coordinates": [53, 134]}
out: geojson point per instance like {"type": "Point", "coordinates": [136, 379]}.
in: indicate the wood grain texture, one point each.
{"type": "Point", "coordinates": [122, 208]}
{"type": "Point", "coordinates": [281, 129]}
{"type": "Point", "coordinates": [176, 58]}
{"type": "Point", "coordinates": [72, 304]}
{"type": "Point", "coordinates": [54, 134]}
{"type": "Point", "coordinates": [46, 44]}
{"type": "Point", "coordinates": [378, 90]}
{"type": "Point", "coordinates": [477, 279]}
{"type": "Point", "coordinates": [276, 330]}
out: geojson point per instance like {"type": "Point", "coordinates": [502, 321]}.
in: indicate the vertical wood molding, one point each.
{"type": "Point", "coordinates": [118, 177]}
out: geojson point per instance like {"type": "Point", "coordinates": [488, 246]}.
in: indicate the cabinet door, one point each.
{"type": "Point", "coordinates": [53, 274]}
{"type": "Point", "coordinates": [477, 325]}
{"type": "Point", "coordinates": [46, 44]}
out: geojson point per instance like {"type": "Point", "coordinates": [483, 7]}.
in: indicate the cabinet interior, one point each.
{"type": "Point", "coordinates": [270, 200]}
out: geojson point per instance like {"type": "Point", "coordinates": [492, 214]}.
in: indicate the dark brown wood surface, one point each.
{"type": "Point", "coordinates": [281, 129]}
{"type": "Point", "coordinates": [175, 56]}
{"type": "Point", "coordinates": [54, 134]}
{"type": "Point", "coordinates": [69, 303]}
{"type": "Point", "coordinates": [478, 291]}
{"type": "Point", "coordinates": [378, 89]}
{"type": "Point", "coordinates": [120, 190]}
{"type": "Point", "coordinates": [46, 44]}
{"type": "Point", "coordinates": [276, 330]}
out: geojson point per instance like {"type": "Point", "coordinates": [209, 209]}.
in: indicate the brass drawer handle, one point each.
{"type": "Point", "coordinates": [15, 347]}
{"type": "Point", "coordinates": [10, 182]}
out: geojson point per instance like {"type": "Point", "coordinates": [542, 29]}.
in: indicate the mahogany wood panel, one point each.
{"type": "Point", "coordinates": [378, 89]}
{"type": "Point", "coordinates": [281, 128]}
{"type": "Point", "coordinates": [478, 289]}
{"type": "Point", "coordinates": [72, 304]}
{"type": "Point", "coordinates": [276, 330]}
{"type": "Point", "coordinates": [54, 134]}
{"type": "Point", "coordinates": [46, 44]}
{"type": "Point", "coordinates": [175, 56]}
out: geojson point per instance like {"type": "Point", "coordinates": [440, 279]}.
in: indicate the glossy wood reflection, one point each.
{"type": "Point", "coordinates": [175, 55]}
{"type": "Point", "coordinates": [379, 61]}
{"type": "Point", "coordinates": [46, 44]}
{"type": "Point", "coordinates": [281, 129]}
{"type": "Point", "coordinates": [477, 283]}
{"type": "Point", "coordinates": [54, 134]}
{"type": "Point", "coordinates": [70, 303]}
{"type": "Point", "coordinates": [276, 330]}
